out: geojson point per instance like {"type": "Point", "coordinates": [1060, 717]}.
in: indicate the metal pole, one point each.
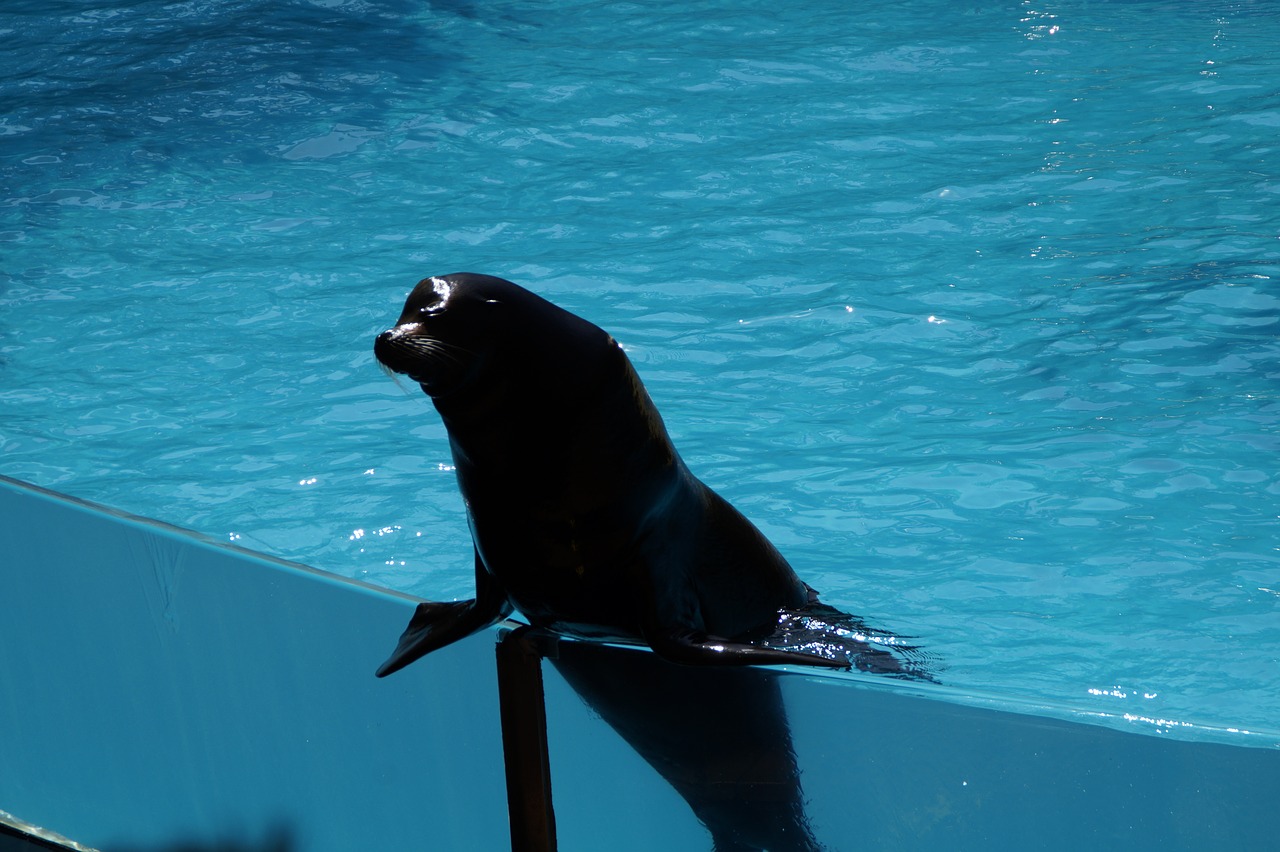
{"type": "Point", "coordinates": [524, 742]}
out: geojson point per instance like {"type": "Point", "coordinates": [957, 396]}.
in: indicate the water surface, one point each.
{"type": "Point", "coordinates": [973, 308]}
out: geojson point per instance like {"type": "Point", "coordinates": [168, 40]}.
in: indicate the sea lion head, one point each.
{"type": "Point", "coordinates": [450, 327]}
{"type": "Point", "coordinates": [474, 342]}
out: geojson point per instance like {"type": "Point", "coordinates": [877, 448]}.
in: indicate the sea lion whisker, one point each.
{"type": "Point", "coordinates": [428, 347]}
{"type": "Point", "coordinates": [456, 355]}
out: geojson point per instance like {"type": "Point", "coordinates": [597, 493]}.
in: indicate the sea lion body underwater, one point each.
{"type": "Point", "coordinates": [583, 516]}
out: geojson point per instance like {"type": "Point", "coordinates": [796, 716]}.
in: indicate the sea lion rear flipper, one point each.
{"type": "Point", "coordinates": [695, 648]}
{"type": "Point", "coordinates": [435, 625]}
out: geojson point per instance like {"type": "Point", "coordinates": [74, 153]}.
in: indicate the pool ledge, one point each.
{"type": "Point", "coordinates": [163, 689]}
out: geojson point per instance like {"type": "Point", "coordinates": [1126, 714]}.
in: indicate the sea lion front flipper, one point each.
{"type": "Point", "coordinates": [695, 648]}
{"type": "Point", "coordinates": [435, 625]}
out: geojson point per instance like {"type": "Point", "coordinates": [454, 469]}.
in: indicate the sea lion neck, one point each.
{"type": "Point", "coordinates": [538, 399]}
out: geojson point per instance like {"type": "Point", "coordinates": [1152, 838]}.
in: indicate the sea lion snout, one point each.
{"type": "Point", "coordinates": [384, 349]}
{"type": "Point", "coordinates": [426, 352]}
{"type": "Point", "coordinates": [402, 350]}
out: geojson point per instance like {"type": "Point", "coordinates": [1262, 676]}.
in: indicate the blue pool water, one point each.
{"type": "Point", "coordinates": [973, 307]}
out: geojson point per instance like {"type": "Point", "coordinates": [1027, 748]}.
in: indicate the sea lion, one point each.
{"type": "Point", "coordinates": [583, 516]}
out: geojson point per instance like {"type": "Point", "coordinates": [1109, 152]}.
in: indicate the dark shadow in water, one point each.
{"type": "Point", "coordinates": [276, 839]}
{"type": "Point", "coordinates": [719, 736]}
{"type": "Point", "coordinates": [232, 83]}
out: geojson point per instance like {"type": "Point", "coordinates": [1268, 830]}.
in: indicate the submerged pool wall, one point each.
{"type": "Point", "coordinates": [162, 690]}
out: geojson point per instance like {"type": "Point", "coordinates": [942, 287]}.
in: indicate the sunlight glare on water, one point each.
{"type": "Point", "coordinates": [973, 307]}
